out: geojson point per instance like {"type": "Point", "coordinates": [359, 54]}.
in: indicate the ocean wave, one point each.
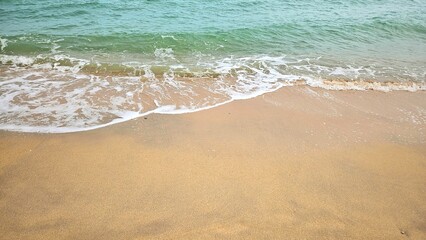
{"type": "Point", "coordinates": [64, 94]}
{"type": "Point", "coordinates": [285, 36]}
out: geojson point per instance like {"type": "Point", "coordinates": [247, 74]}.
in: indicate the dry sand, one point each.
{"type": "Point", "coordinates": [299, 163]}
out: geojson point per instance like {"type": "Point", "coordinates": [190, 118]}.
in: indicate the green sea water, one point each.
{"type": "Point", "coordinates": [78, 65]}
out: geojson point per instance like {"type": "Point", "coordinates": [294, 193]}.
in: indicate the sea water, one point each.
{"type": "Point", "coordinates": [82, 64]}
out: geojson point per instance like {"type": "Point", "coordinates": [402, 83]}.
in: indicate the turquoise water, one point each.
{"type": "Point", "coordinates": [84, 64]}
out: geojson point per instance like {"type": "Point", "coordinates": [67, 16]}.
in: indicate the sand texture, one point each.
{"type": "Point", "coordinates": [299, 163]}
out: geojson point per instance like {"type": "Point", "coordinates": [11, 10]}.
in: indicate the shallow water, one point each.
{"type": "Point", "coordinates": [86, 64]}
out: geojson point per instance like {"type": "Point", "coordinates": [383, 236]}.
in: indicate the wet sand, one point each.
{"type": "Point", "coordinates": [299, 163]}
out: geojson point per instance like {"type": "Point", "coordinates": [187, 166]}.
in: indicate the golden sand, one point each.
{"type": "Point", "coordinates": [299, 163]}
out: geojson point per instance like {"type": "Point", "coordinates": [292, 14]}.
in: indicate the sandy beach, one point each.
{"type": "Point", "coordinates": [298, 163]}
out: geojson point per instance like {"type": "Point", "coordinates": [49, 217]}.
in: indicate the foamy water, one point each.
{"type": "Point", "coordinates": [76, 67]}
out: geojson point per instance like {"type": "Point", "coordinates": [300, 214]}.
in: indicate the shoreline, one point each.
{"type": "Point", "coordinates": [328, 85]}
{"type": "Point", "coordinates": [296, 163]}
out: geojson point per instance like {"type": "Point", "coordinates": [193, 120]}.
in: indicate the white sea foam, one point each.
{"type": "Point", "coordinates": [16, 60]}
{"type": "Point", "coordinates": [164, 53]}
{"type": "Point", "coordinates": [3, 43]}
{"type": "Point", "coordinates": [168, 36]}
{"type": "Point", "coordinates": [49, 97]}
